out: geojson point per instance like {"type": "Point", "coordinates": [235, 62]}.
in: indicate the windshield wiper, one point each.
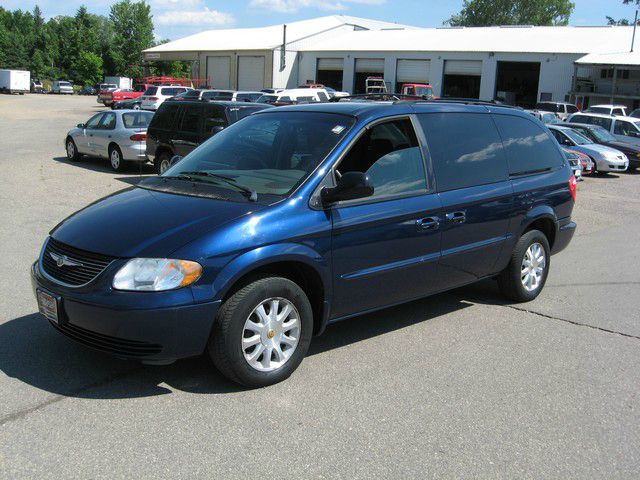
{"type": "Point", "coordinates": [251, 193]}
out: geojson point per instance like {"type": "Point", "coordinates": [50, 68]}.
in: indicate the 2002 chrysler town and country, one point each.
{"type": "Point", "coordinates": [300, 216]}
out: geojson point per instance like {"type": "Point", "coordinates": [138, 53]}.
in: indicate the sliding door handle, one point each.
{"type": "Point", "coordinates": [457, 217]}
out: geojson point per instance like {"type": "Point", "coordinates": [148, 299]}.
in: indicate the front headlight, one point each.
{"type": "Point", "coordinates": [156, 274]}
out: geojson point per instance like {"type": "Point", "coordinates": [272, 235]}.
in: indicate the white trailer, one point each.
{"type": "Point", "coordinates": [121, 82]}
{"type": "Point", "coordinates": [15, 81]}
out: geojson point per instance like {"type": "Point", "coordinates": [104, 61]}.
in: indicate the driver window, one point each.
{"type": "Point", "coordinates": [93, 121]}
{"type": "Point", "coordinates": [390, 155]}
{"type": "Point", "coordinates": [108, 122]}
{"type": "Point", "coordinates": [622, 128]}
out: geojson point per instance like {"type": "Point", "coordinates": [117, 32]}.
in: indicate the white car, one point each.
{"type": "Point", "coordinates": [62, 87]}
{"type": "Point", "coordinates": [608, 109]}
{"type": "Point", "coordinates": [607, 159]}
{"type": "Point", "coordinates": [296, 95]}
{"type": "Point", "coordinates": [155, 96]}
{"type": "Point", "coordinates": [625, 129]}
{"type": "Point", "coordinates": [562, 110]}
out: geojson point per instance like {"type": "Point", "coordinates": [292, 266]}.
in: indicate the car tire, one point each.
{"type": "Point", "coordinates": [525, 276]}
{"type": "Point", "coordinates": [118, 164]}
{"type": "Point", "coordinates": [162, 162]}
{"type": "Point", "coordinates": [238, 347]}
{"type": "Point", "coordinates": [72, 150]}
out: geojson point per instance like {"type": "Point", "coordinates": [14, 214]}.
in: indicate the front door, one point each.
{"type": "Point", "coordinates": [187, 136]}
{"type": "Point", "coordinates": [385, 247]}
{"type": "Point", "coordinates": [474, 189]}
{"type": "Point", "coordinates": [85, 143]}
{"type": "Point", "coordinates": [103, 135]}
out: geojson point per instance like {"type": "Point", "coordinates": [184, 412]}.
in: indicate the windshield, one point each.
{"type": "Point", "coordinates": [269, 153]}
{"type": "Point", "coordinates": [428, 91]}
{"type": "Point", "coordinates": [64, 84]}
{"type": "Point", "coordinates": [189, 94]}
{"type": "Point", "coordinates": [547, 107]}
{"type": "Point", "coordinates": [136, 119]}
{"type": "Point", "coordinates": [598, 110]}
{"type": "Point", "coordinates": [576, 137]}
{"type": "Point", "coordinates": [602, 135]}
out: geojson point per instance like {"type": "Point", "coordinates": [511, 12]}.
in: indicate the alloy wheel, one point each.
{"type": "Point", "coordinates": [271, 334]}
{"type": "Point", "coordinates": [71, 150]}
{"type": "Point", "coordinates": [115, 159]}
{"type": "Point", "coordinates": [533, 265]}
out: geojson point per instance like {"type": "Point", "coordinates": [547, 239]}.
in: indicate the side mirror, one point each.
{"type": "Point", "coordinates": [81, 125]}
{"type": "Point", "coordinates": [216, 129]}
{"type": "Point", "coordinates": [175, 159]}
{"type": "Point", "coordinates": [351, 186]}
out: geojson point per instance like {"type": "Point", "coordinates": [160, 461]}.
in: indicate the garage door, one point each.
{"type": "Point", "coordinates": [250, 73]}
{"type": "Point", "coordinates": [463, 67]}
{"type": "Point", "coordinates": [325, 64]}
{"type": "Point", "coordinates": [219, 72]}
{"type": "Point", "coordinates": [413, 71]}
{"type": "Point", "coordinates": [369, 65]}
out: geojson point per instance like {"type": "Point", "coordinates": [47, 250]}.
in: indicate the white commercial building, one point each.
{"type": "Point", "coordinates": [520, 64]}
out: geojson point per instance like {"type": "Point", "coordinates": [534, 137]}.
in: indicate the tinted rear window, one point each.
{"type": "Point", "coordinates": [136, 119]}
{"type": "Point", "coordinates": [465, 148]}
{"type": "Point", "coordinates": [547, 107]}
{"type": "Point", "coordinates": [163, 119]}
{"type": "Point", "coordinates": [248, 97]}
{"type": "Point", "coordinates": [236, 113]}
{"type": "Point", "coordinates": [527, 146]}
{"type": "Point", "coordinates": [151, 91]}
{"type": "Point", "coordinates": [171, 91]}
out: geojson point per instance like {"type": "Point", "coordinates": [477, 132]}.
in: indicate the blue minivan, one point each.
{"type": "Point", "coordinates": [300, 216]}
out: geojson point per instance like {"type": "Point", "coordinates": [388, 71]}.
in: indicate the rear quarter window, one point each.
{"type": "Point", "coordinates": [465, 149]}
{"type": "Point", "coordinates": [527, 146]}
{"type": "Point", "coordinates": [164, 117]}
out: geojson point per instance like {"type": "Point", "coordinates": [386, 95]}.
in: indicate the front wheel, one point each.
{"type": "Point", "coordinates": [526, 274]}
{"type": "Point", "coordinates": [72, 150]}
{"type": "Point", "coordinates": [262, 332]}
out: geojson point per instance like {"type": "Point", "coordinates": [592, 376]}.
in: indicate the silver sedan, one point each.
{"type": "Point", "coordinates": [119, 135]}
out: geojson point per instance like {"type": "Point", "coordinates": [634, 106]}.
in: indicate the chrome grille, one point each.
{"type": "Point", "coordinates": [71, 266]}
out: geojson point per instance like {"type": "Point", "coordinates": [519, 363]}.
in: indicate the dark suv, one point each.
{"type": "Point", "coordinates": [297, 217]}
{"type": "Point", "coordinates": [179, 127]}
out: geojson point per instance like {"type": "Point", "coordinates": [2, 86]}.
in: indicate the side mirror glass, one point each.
{"type": "Point", "coordinates": [81, 125]}
{"type": "Point", "coordinates": [175, 159]}
{"type": "Point", "coordinates": [351, 186]}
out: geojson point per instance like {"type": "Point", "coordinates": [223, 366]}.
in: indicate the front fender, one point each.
{"type": "Point", "coordinates": [271, 254]}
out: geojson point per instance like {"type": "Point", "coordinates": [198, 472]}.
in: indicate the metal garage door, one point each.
{"type": "Point", "coordinates": [413, 71]}
{"type": "Point", "coordinates": [463, 67]}
{"type": "Point", "coordinates": [250, 73]}
{"type": "Point", "coordinates": [219, 72]}
{"type": "Point", "coordinates": [330, 64]}
{"type": "Point", "coordinates": [369, 65]}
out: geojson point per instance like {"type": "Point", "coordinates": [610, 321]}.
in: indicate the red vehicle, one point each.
{"type": "Point", "coordinates": [423, 90]}
{"type": "Point", "coordinates": [110, 97]}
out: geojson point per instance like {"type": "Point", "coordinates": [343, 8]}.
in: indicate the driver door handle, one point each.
{"type": "Point", "coordinates": [428, 223]}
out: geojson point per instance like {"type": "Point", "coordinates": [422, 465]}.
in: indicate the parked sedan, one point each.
{"type": "Point", "coordinates": [119, 135]}
{"type": "Point", "coordinates": [601, 136]}
{"type": "Point", "coordinates": [88, 90]}
{"type": "Point", "coordinates": [606, 159]}
{"type": "Point", "coordinates": [129, 104]}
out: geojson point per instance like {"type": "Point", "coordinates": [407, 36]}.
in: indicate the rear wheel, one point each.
{"type": "Point", "coordinates": [262, 332]}
{"type": "Point", "coordinates": [72, 150]}
{"type": "Point", "coordinates": [118, 164]}
{"type": "Point", "coordinates": [526, 274]}
{"type": "Point", "coordinates": [162, 162]}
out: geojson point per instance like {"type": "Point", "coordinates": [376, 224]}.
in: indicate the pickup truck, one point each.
{"type": "Point", "coordinates": [423, 90]}
{"type": "Point", "coordinates": [110, 97]}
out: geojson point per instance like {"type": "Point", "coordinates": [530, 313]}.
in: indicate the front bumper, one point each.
{"type": "Point", "coordinates": [564, 234]}
{"type": "Point", "coordinates": [150, 334]}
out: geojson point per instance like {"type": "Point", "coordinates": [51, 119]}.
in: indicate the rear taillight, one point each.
{"type": "Point", "coordinates": [141, 137]}
{"type": "Point", "coordinates": [572, 187]}
{"type": "Point", "coordinates": [153, 99]}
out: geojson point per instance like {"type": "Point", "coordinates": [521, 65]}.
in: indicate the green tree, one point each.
{"type": "Point", "coordinates": [481, 13]}
{"type": "Point", "coordinates": [132, 33]}
{"type": "Point", "coordinates": [88, 68]}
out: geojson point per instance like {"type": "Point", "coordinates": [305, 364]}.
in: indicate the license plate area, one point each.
{"type": "Point", "coordinates": [48, 305]}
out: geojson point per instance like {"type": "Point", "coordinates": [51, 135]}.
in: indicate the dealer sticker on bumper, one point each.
{"type": "Point", "coordinates": [48, 306]}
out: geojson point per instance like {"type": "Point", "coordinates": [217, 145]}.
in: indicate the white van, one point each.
{"type": "Point", "coordinates": [62, 87]}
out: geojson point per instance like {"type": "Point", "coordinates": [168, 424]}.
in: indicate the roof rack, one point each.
{"type": "Point", "coordinates": [401, 98]}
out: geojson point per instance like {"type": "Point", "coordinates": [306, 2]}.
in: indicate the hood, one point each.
{"type": "Point", "coordinates": [624, 147]}
{"type": "Point", "coordinates": [137, 222]}
{"type": "Point", "coordinates": [597, 150]}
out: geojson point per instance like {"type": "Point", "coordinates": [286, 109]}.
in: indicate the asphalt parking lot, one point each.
{"type": "Point", "coordinates": [459, 385]}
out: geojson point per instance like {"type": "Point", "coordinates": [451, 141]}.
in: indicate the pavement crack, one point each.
{"type": "Point", "coordinates": [573, 322]}
{"type": "Point", "coordinates": [59, 397]}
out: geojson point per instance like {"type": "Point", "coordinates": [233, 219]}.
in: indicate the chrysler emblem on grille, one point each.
{"type": "Point", "coordinates": [64, 261]}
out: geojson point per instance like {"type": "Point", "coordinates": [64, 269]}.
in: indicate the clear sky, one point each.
{"type": "Point", "coordinates": [177, 18]}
